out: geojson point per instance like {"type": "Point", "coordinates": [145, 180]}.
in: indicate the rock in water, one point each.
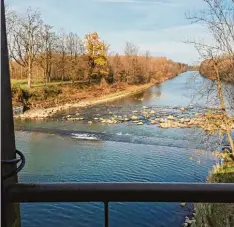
{"type": "Point", "coordinates": [183, 204]}
{"type": "Point", "coordinates": [164, 125]}
{"type": "Point", "coordinates": [134, 117]}
{"type": "Point", "coordinates": [140, 123]}
{"type": "Point", "coordinates": [90, 122]}
{"type": "Point", "coordinates": [170, 117]}
{"type": "Point", "coordinates": [182, 109]}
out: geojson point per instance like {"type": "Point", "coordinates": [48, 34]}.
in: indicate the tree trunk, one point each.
{"type": "Point", "coordinates": [223, 106]}
{"type": "Point", "coordinates": [29, 73]}
{"type": "Point", "coordinates": [45, 78]}
{"type": "Point", "coordinates": [21, 73]}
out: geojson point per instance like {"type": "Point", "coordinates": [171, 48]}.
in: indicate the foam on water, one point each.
{"type": "Point", "coordinates": [84, 136]}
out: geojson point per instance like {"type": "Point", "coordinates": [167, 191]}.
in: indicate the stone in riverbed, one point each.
{"type": "Point", "coordinates": [140, 123]}
{"type": "Point", "coordinates": [182, 204]}
{"type": "Point", "coordinates": [134, 117]}
{"type": "Point", "coordinates": [170, 117]}
{"type": "Point", "coordinates": [144, 107]}
{"type": "Point", "coordinates": [134, 111]}
{"type": "Point", "coordinates": [153, 122]}
{"type": "Point", "coordinates": [164, 125]}
{"type": "Point", "coordinates": [73, 118]}
{"type": "Point", "coordinates": [152, 112]}
{"type": "Point", "coordinates": [90, 122]}
{"type": "Point", "coordinates": [96, 118]}
{"type": "Point", "coordinates": [189, 222]}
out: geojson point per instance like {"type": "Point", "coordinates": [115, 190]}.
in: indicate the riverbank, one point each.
{"type": "Point", "coordinates": [215, 214]}
{"type": "Point", "coordinates": [110, 95]}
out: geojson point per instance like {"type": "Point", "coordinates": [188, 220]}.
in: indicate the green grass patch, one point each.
{"type": "Point", "coordinates": [19, 82]}
{"type": "Point", "coordinates": [23, 83]}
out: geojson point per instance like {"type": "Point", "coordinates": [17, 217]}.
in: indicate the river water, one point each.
{"type": "Point", "coordinates": [60, 151]}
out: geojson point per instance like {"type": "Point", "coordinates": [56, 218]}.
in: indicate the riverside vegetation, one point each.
{"type": "Point", "coordinates": [218, 65]}
{"type": "Point", "coordinates": [50, 69]}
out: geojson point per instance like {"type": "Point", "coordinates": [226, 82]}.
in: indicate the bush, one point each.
{"type": "Point", "coordinates": [20, 96]}
{"type": "Point", "coordinates": [43, 93]}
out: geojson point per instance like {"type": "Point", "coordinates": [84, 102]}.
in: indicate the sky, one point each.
{"type": "Point", "coordinates": [159, 26]}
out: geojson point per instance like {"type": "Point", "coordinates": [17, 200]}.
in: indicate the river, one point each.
{"type": "Point", "coordinates": [60, 151]}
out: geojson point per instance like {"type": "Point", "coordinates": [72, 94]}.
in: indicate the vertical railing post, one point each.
{"type": "Point", "coordinates": [106, 214]}
{"type": "Point", "coordinates": [10, 211]}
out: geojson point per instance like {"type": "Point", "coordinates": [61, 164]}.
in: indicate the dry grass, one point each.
{"type": "Point", "coordinates": [217, 215]}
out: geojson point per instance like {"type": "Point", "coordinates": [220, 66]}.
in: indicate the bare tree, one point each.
{"type": "Point", "coordinates": [131, 49]}
{"type": "Point", "coordinates": [75, 49]}
{"type": "Point", "coordinates": [62, 53]}
{"type": "Point", "coordinates": [47, 50]}
{"type": "Point", "coordinates": [218, 18]}
{"type": "Point", "coordinates": [25, 40]}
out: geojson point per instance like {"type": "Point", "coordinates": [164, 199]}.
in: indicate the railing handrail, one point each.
{"type": "Point", "coordinates": [121, 192]}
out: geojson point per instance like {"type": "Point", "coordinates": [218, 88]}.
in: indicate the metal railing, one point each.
{"type": "Point", "coordinates": [120, 192]}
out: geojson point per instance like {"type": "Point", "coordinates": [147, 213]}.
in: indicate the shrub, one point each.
{"type": "Point", "coordinates": [43, 93]}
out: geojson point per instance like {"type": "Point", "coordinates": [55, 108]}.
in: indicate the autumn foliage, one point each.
{"type": "Point", "coordinates": [225, 66]}
{"type": "Point", "coordinates": [39, 54]}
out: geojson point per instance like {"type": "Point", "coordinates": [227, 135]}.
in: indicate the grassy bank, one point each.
{"type": "Point", "coordinates": [217, 215]}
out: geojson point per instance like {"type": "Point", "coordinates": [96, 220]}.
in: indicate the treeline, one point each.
{"type": "Point", "coordinates": [39, 54]}
{"type": "Point", "coordinates": [224, 66]}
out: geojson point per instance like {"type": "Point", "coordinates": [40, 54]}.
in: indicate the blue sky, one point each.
{"type": "Point", "coordinates": [159, 26]}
